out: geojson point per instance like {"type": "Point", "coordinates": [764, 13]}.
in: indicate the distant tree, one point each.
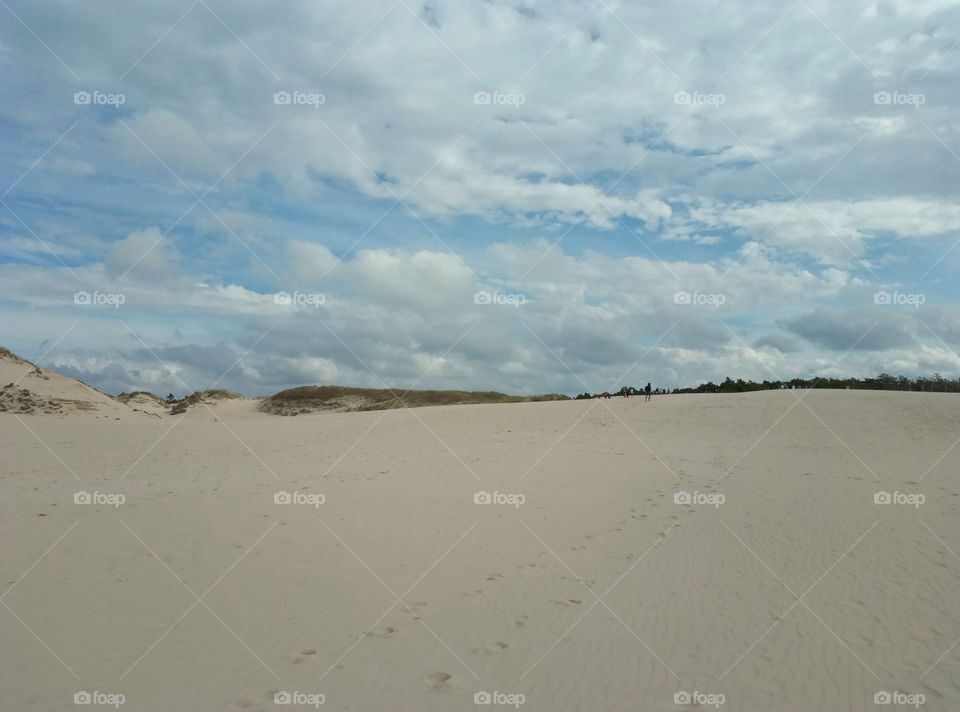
{"type": "Point", "coordinates": [171, 398]}
{"type": "Point", "coordinates": [882, 382]}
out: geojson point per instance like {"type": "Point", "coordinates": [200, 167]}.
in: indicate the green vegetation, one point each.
{"type": "Point", "coordinates": [883, 382]}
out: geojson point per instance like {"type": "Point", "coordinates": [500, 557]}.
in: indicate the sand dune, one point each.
{"type": "Point", "coordinates": [28, 389]}
{"type": "Point", "coordinates": [426, 556]}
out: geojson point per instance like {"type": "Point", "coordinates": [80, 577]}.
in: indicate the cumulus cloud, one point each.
{"type": "Point", "coordinates": [723, 190]}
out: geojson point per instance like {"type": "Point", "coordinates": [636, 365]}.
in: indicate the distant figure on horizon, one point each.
{"type": "Point", "coordinates": [647, 391]}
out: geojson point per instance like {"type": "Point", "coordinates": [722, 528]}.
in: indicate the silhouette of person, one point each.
{"type": "Point", "coordinates": [647, 391]}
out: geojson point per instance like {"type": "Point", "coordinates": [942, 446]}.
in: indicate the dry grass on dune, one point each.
{"type": "Point", "coordinates": [306, 399]}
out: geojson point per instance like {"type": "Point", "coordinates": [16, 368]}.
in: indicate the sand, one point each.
{"type": "Point", "coordinates": [582, 585]}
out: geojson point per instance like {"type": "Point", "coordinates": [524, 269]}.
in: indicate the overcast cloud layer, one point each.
{"type": "Point", "coordinates": [517, 196]}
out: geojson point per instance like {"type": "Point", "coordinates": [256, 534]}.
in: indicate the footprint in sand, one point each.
{"type": "Point", "coordinates": [569, 602]}
{"type": "Point", "coordinates": [437, 681]}
{"type": "Point", "coordinates": [491, 647]}
{"type": "Point", "coordinates": [494, 577]}
{"type": "Point", "coordinates": [414, 609]}
{"type": "Point", "coordinates": [383, 632]}
{"type": "Point", "coordinates": [520, 620]}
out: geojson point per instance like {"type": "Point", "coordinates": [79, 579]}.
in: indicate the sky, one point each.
{"type": "Point", "coordinates": [521, 196]}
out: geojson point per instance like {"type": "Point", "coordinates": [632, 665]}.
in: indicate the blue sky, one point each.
{"type": "Point", "coordinates": [678, 193]}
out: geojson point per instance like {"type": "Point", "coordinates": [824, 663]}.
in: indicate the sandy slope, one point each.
{"type": "Point", "coordinates": [492, 597]}
{"type": "Point", "coordinates": [27, 389]}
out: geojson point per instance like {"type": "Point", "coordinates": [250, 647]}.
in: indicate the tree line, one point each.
{"type": "Point", "coordinates": [883, 382]}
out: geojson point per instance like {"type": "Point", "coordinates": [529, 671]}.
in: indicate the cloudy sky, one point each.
{"type": "Point", "coordinates": [499, 194]}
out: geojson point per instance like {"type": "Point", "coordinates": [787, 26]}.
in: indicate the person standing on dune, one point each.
{"type": "Point", "coordinates": [647, 391]}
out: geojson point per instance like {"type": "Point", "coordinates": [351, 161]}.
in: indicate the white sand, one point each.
{"type": "Point", "coordinates": [494, 597]}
